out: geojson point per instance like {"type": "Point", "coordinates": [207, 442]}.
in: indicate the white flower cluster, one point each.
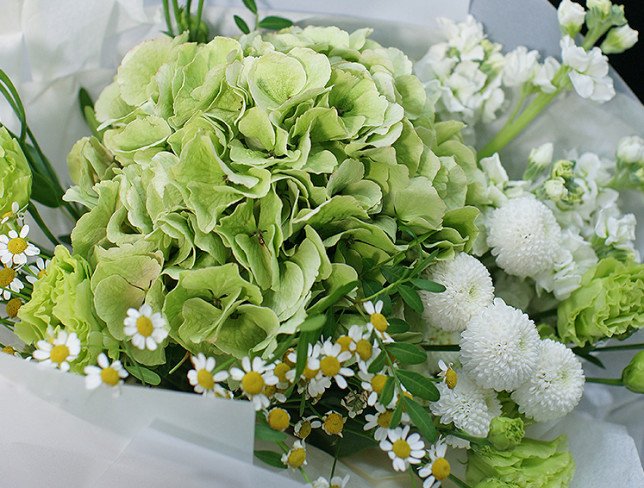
{"type": "Point", "coordinates": [589, 71]}
{"type": "Point", "coordinates": [463, 73]}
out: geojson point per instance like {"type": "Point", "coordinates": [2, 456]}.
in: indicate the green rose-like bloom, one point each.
{"type": "Point", "coordinates": [633, 374]}
{"type": "Point", "coordinates": [62, 298]}
{"type": "Point", "coordinates": [505, 432]}
{"type": "Point", "coordinates": [610, 302]}
{"type": "Point", "coordinates": [531, 464]}
{"type": "Point", "coordinates": [15, 174]}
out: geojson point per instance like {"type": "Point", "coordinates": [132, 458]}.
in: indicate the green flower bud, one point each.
{"type": "Point", "coordinates": [602, 6]}
{"type": "Point", "coordinates": [505, 433]}
{"type": "Point", "coordinates": [633, 374]}
{"type": "Point", "coordinates": [563, 169]}
{"type": "Point", "coordinates": [15, 174]}
{"type": "Point", "coordinates": [619, 39]}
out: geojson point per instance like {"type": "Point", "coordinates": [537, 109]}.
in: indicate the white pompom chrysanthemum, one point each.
{"type": "Point", "coordinates": [500, 347]}
{"type": "Point", "coordinates": [524, 236]}
{"type": "Point", "coordinates": [468, 289]}
{"type": "Point", "coordinates": [469, 406]}
{"type": "Point", "coordinates": [555, 387]}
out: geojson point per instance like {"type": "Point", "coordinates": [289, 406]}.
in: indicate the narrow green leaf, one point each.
{"type": "Point", "coordinates": [411, 298]}
{"type": "Point", "coordinates": [428, 285]}
{"type": "Point", "coordinates": [378, 364]}
{"type": "Point", "coordinates": [421, 418]}
{"type": "Point", "coordinates": [397, 326]}
{"type": "Point", "coordinates": [370, 287]}
{"type": "Point", "coordinates": [407, 353]}
{"type": "Point", "coordinates": [333, 298]}
{"type": "Point", "coordinates": [396, 416]}
{"type": "Point", "coordinates": [274, 23]}
{"type": "Point", "coordinates": [265, 433]}
{"type": "Point", "coordinates": [271, 458]}
{"type": "Point", "coordinates": [418, 385]}
{"type": "Point", "coordinates": [313, 323]}
{"type": "Point", "coordinates": [44, 192]}
{"type": "Point", "coordinates": [387, 393]}
{"type": "Point", "coordinates": [241, 23]}
{"type": "Point", "coordinates": [146, 376]}
{"type": "Point", "coordinates": [392, 273]}
{"type": "Point", "coordinates": [250, 5]}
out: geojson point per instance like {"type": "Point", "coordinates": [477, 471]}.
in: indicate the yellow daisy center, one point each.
{"type": "Point", "coordinates": [345, 342]}
{"type": "Point", "coordinates": [252, 383]}
{"type": "Point", "coordinates": [286, 360]}
{"type": "Point", "coordinates": [330, 366]}
{"type": "Point", "coordinates": [309, 374]}
{"type": "Point", "coordinates": [280, 371]}
{"type": "Point", "coordinates": [144, 326]}
{"type": "Point", "coordinates": [378, 382]}
{"type": "Point", "coordinates": [401, 448]}
{"type": "Point", "coordinates": [59, 353]}
{"type": "Point", "coordinates": [364, 349]}
{"type": "Point", "coordinates": [17, 245]}
{"type": "Point", "coordinates": [8, 350]}
{"type": "Point", "coordinates": [279, 419]}
{"type": "Point", "coordinates": [305, 430]}
{"type": "Point", "coordinates": [110, 376]}
{"type": "Point", "coordinates": [205, 379]}
{"type": "Point", "coordinates": [296, 457]}
{"type": "Point", "coordinates": [13, 306]}
{"type": "Point", "coordinates": [384, 419]}
{"type": "Point", "coordinates": [7, 275]}
{"type": "Point", "coordinates": [441, 469]}
{"type": "Point", "coordinates": [41, 274]}
{"type": "Point", "coordinates": [7, 215]}
{"type": "Point", "coordinates": [379, 321]}
{"type": "Point", "coordinates": [451, 378]}
{"type": "Point", "coordinates": [333, 424]}
{"type": "Point", "coordinates": [269, 390]}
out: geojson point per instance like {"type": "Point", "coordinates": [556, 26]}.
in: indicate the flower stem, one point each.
{"type": "Point", "coordinates": [445, 347]}
{"type": "Point", "coordinates": [606, 381]}
{"type": "Point", "coordinates": [458, 482]}
{"type": "Point", "coordinates": [621, 348]}
{"type": "Point", "coordinates": [168, 19]}
{"type": "Point", "coordinates": [41, 223]}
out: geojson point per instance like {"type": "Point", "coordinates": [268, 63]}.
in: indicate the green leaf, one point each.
{"type": "Point", "coordinates": [274, 23]}
{"type": "Point", "coordinates": [418, 385]}
{"type": "Point", "coordinates": [397, 326]}
{"type": "Point", "coordinates": [250, 5]}
{"type": "Point", "coordinates": [370, 287]}
{"type": "Point", "coordinates": [271, 458]}
{"type": "Point", "coordinates": [143, 374]}
{"type": "Point", "coordinates": [241, 23]}
{"type": "Point", "coordinates": [334, 297]}
{"type": "Point", "coordinates": [421, 418]}
{"type": "Point", "coordinates": [428, 285]}
{"type": "Point", "coordinates": [407, 353]}
{"type": "Point", "coordinates": [378, 363]}
{"type": "Point", "coordinates": [313, 323]}
{"type": "Point", "coordinates": [411, 298]}
{"type": "Point", "coordinates": [396, 416]}
{"type": "Point", "coordinates": [44, 192]}
{"type": "Point", "coordinates": [392, 273]}
{"type": "Point", "coordinates": [387, 393]}
{"type": "Point", "coordinates": [265, 433]}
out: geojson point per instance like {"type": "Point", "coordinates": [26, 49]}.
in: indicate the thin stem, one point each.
{"type": "Point", "coordinates": [183, 360]}
{"type": "Point", "coordinates": [177, 16]}
{"type": "Point", "coordinates": [136, 363]}
{"type": "Point", "coordinates": [625, 347]}
{"type": "Point", "coordinates": [445, 347]}
{"type": "Point", "coordinates": [519, 105]}
{"type": "Point", "coordinates": [543, 315]}
{"type": "Point", "coordinates": [199, 14]}
{"type": "Point", "coordinates": [458, 482]}
{"type": "Point", "coordinates": [41, 223]}
{"type": "Point", "coordinates": [335, 458]}
{"type": "Point", "coordinates": [168, 18]}
{"type": "Point", "coordinates": [594, 34]}
{"type": "Point", "coordinates": [412, 477]}
{"type": "Point", "coordinates": [16, 293]}
{"type": "Point", "coordinates": [606, 381]}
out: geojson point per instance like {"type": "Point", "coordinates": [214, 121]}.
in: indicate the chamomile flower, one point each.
{"type": "Point", "coordinates": [555, 387]}
{"type": "Point", "coordinates": [204, 379]}
{"type": "Point", "coordinates": [58, 351]}
{"type": "Point", "coordinates": [448, 374]}
{"type": "Point", "coordinates": [106, 373]}
{"type": "Point", "coordinates": [355, 402]}
{"type": "Point", "coordinates": [295, 458]}
{"type": "Point", "coordinates": [336, 482]}
{"type": "Point", "coordinates": [15, 248]}
{"type": "Point", "coordinates": [12, 307]}
{"type": "Point", "coordinates": [373, 383]}
{"type": "Point", "coordinates": [281, 370]}
{"type": "Point", "coordinates": [438, 467]}
{"type": "Point", "coordinates": [381, 421]}
{"type": "Point", "coordinates": [147, 329]}
{"type": "Point", "coordinates": [403, 449]}
{"type": "Point", "coordinates": [333, 423]}
{"type": "Point", "coordinates": [314, 382]}
{"type": "Point", "coordinates": [377, 321]}
{"type": "Point", "coordinates": [254, 377]}
{"type": "Point", "coordinates": [9, 282]}
{"type": "Point", "coordinates": [278, 419]}
{"type": "Point", "coordinates": [331, 363]}
{"type": "Point", "coordinates": [38, 270]}
{"type": "Point", "coordinates": [303, 427]}
{"type": "Point", "coordinates": [15, 213]}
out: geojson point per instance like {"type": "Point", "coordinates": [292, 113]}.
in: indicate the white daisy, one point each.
{"type": "Point", "coordinates": [15, 213]}
{"type": "Point", "coordinates": [314, 382]}
{"type": "Point", "coordinates": [111, 375]}
{"type": "Point", "coordinates": [37, 271]}
{"type": "Point", "coordinates": [381, 421]}
{"type": "Point", "coordinates": [336, 482]}
{"type": "Point", "coordinates": [278, 419]}
{"type": "Point", "coordinates": [448, 374]}
{"type": "Point", "coordinates": [333, 423]}
{"type": "Point", "coordinates": [555, 387]}
{"type": "Point", "coordinates": [331, 363]}
{"type": "Point", "coordinates": [15, 248]}
{"type": "Point", "coordinates": [59, 351]}
{"type": "Point", "coordinates": [403, 449]}
{"type": "Point", "coordinates": [438, 467]}
{"type": "Point", "coordinates": [147, 329]}
{"type": "Point", "coordinates": [377, 321]}
{"type": "Point", "coordinates": [295, 458]}
{"type": "Point", "coordinates": [254, 377]}
{"type": "Point", "coordinates": [372, 383]}
{"type": "Point", "coordinates": [9, 282]}
{"type": "Point", "coordinates": [304, 426]}
{"type": "Point", "coordinates": [282, 370]}
{"type": "Point", "coordinates": [204, 379]}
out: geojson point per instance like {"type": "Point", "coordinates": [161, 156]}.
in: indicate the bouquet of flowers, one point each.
{"type": "Point", "coordinates": [298, 217]}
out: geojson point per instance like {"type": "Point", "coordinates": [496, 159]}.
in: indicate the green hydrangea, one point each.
{"type": "Point", "coordinates": [531, 464]}
{"type": "Point", "coordinates": [15, 174]}
{"type": "Point", "coordinates": [610, 302]}
{"type": "Point", "coordinates": [265, 172]}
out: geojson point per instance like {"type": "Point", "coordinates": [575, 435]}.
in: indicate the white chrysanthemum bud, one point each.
{"type": "Point", "coordinates": [631, 149]}
{"type": "Point", "coordinates": [469, 406]}
{"type": "Point", "coordinates": [556, 386]}
{"type": "Point", "coordinates": [468, 289]}
{"type": "Point", "coordinates": [524, 237]}
{"type": "Point", "coordinates": [500, 347]}
{"type": "Point", "coordinates": [619, 39]}
{"type": "Point", "coordinates": [571, 17]}
{"type": "Point", "coordinates": [520, 66]}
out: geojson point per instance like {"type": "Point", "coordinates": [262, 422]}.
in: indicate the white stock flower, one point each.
{"type": "Point", "coordinates": [542, 155]}
{"type": "Point", "coordinates": [571, 17]}
{"type": "Point", "coordinates": [589, 75]}
{"type": "Point", "coordinates": [602, 5]}
{"type": "Point", "coordinates": [631, 149]}
{"type": "Point", "coordinates": [470, 407]}
{"type": "Point", "coordinates": [617, 230]}
{"type": "Point", "coordinates": [468, 289]}
{"type": "Point", "coordinates": [500, 346]}
{"type": "Point", "coordinates": [465, 36]}
{"type": "Point", "coordinates": [619, 39]}
{"type": "Point", "coordinates": [555, 387]}
{"type": "Point", "coordinates": [146, 328]}
{"type": "Point", "coordinates": [545, 74]}
{"type": "Point", "coordinates": [520, 66]}
{"type": "Point", "coordinates": [524, 236]}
